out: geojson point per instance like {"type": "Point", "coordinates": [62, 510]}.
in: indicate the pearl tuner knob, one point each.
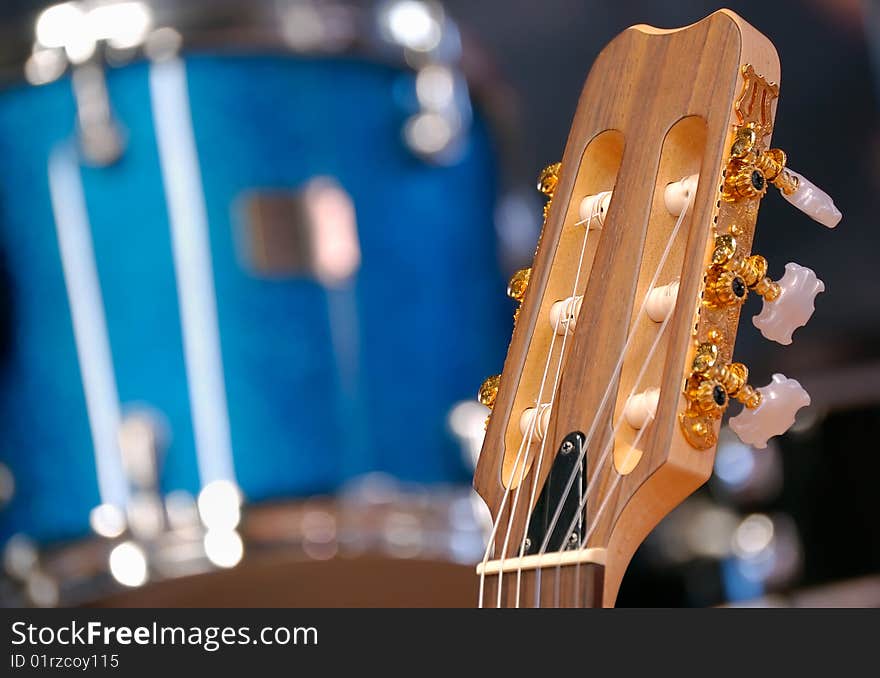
{"type": "Point", "coordinates": [793, 307]}
{"type": "Point", "coordinates": [537, 417]}
{"type": "Point", "coordinates": [780, 401]}
{"type": "Point", "coordinates": [813, 201]}
{"type": "Point", "coordinates": [564, 314]}
{"type": "Point", "coordinates": [641, 408]}
{"type": "Point", "coordinates": [594, 208]}
{"type": "Point", "coordinates": [661, 301]}
{"type": "Point", "coordinates": [680, 193]}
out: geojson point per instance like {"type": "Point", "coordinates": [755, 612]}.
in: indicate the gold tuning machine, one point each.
{"type": "Point", "coordinates": [519, 283]}
{"type": "Point", "coordinates": [548, 180]}
{"type": "Point", "coordinates": [708, 391]}
{"type": "Point", "coordinates": [753, 270]}
{"type": "Point", "coordinates": [730, 277]}
{"type": "Point", "coordinates": [750, 170]}
{"type": "Point", "coordinates": [516, 288]}
{"type": "Point", "coordinates": [489, 391]}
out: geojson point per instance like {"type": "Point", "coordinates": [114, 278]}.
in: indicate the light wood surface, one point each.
{"type": "Point", "coordinates": [657, 105]}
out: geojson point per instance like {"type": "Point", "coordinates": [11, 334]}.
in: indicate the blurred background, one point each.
{"type": "Point", "coordinates": [253, 260]}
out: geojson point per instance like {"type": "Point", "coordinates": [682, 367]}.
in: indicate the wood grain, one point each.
{"type": "Point", "coordinates": [669, 96]}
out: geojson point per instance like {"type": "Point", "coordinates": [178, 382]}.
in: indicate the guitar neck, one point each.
{"type": "Point", "coordinates": [621, 364]}
{"type": "Point", "coordinates": [657, 107]}
{"type": "Point", "coordinates": [569, 585]}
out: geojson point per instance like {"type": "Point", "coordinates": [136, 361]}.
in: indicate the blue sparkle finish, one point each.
{"type": "Point", "coordinates": [430, 312]}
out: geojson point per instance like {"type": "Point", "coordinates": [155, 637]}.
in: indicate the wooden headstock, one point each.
{"type": "Point", "coordinates": [658, 106]}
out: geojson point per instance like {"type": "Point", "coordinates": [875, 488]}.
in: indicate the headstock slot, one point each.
{"type": "Point", "coordinates": [596, 172]}
{"type": "Point", "coordinates": [681, 156]}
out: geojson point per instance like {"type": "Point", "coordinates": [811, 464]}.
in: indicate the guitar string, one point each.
{"type": "Point", "coordinates": [557, 581]}
{"type": "Point", "coordinates": [524, 444]}
{"type": "Point", "coordinates": [568, 318]}
{"type": "Point", "coordinates": [610, 445]}
{"type": "Point", "coordinates": [592, 429]}
{"type": "Point", "coordinates": [603, 457]}
{"type": "Point", "coordinates": [491, 541]}
{"type": "Point", "coordinates": [538, 411]}
{"type": "Point", "coordinates": [617, 367]}
{"type": "Point", "coordinates": [522, 447]}
{"type": "Point", "coordinates": [609, 493]}
{"type": "Point", "coordinates": [613, 376]}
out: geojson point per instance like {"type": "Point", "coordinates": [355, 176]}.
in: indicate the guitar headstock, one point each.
{"type": "Point", "coordinates": [621, 363]}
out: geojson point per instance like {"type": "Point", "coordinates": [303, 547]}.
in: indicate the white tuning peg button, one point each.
{"type": "Point", "coordinates": [793, 307]}
{"type": "Point", "coordinates": [641, 408]}
{"type": "Point", "coordinates": [780, 401]}
{"type": "Point", "coordinates": [594, 208]}
{"type": "Point", "coordinates": [680, 193]}
{"type": "Point", "coordinates": [813, 201]}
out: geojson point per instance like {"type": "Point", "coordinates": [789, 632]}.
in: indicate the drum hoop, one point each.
{"type": "Point", "coordinates": [229, 27]}
{"type": "Point", "coordinates": [232, 27]}
{"type": "Point", "coordinates": [301, 530]}
{"type": "Point", "coordinates": [199, 22]}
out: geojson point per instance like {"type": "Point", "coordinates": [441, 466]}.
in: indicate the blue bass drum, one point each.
{"type": "Point", "coordinates": [285, 264]}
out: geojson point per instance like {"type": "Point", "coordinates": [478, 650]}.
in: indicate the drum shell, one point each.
{"type": "Point", "coordinates": [430, 317]}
